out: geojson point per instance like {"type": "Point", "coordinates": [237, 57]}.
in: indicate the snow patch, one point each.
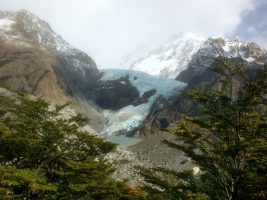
{"type": "Point", "coordinates": [6, 24]}
{"type": "Point", "coordinates": [196, 170]}
{"type": "Point", "coordinates": [230, 45]}
{"type": "Point", "coordinates": [249, 59]}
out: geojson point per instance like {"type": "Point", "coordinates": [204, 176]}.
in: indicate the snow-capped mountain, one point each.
{"type": "Point", "coordinates": [170, 59]}
{"type": "Point", "coordinates": [25, 32]}
{"type": "Point", "coordinates": [27, 23]}
{"type": "Point", "coordinates": [250, 52]}
{"type": "Point", "coordinates": [26, 29]}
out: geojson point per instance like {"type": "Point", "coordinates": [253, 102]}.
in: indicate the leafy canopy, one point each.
{"type": "Point", "coordinates": [45, 156]}
{"type": "Point", "coordinates": [227, 139]}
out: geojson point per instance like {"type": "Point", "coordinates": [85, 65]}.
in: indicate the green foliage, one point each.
{"type": "Point", "coordinates": [171, 185]}
{"type": "Point", "coordinates": [44, 156]}
{"type": "Point", "coordinates": [227, 140]}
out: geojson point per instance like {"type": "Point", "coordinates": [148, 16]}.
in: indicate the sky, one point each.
{"type": "Point", "coordinates": [253, 24]}
{"type": "Point", "coordinates": [110, 29]}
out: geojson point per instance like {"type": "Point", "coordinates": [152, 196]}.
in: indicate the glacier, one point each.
{"type": "Point", "coordinates": [130, 117]}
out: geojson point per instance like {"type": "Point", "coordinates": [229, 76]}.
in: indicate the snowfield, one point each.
{"type": "Point", "coordinates": [171, 58]}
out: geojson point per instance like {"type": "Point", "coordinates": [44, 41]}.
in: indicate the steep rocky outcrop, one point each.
{"type": "Point", "coordinates": [31, 70]}
{"type": "Point", "coordinates": [34, 58]}
{"type": "Point", "coordinates": [249, 52]}
{"type": "Point", "coordinates": [107, 92]}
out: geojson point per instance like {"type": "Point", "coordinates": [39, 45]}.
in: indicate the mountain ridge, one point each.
{"type": "Point", "coordinates": [173, 57]}
{"type": "Point", "coordinates": [25, 31]}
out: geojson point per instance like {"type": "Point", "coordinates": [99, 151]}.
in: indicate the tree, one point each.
{"type": "Point", "coordinates": [44, 156]}
{"type": "Point", "coordinates": [227, 139]}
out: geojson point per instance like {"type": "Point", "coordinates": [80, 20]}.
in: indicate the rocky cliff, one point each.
{"type": "Point", "coordinates": [34, 58]}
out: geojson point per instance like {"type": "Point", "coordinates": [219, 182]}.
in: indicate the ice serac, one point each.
{"type": "Point", "coordinates": [171, 58]}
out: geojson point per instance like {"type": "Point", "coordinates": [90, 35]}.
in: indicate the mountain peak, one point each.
{"type": "Point", "coordinates": [171, 58]}
{"type": "Point", "coordinates": [32, 19]}
{"type": "Point", "coordinates": [26, 12]}
{"type": "Point", "coordinates": [186, 35]}
{"type": "Point", "coordinates": [23, 16]}
{"type": "Point", "coordinates": [28, 29]}
{"type": "Point", "coordinates": [23, 31]}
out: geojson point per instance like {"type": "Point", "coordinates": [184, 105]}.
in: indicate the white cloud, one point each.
{"type": "Point", "coordinates": [109, 29]}
{"type": "Point", "coordinates": [253, 24]}
{"type": "Point", "coordinates": [252, 30]}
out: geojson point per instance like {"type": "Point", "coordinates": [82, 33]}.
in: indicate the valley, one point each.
{"type": "Point", "coordinates": [134, 107]}
{"type": "Point", "coordinates": [134, 102]}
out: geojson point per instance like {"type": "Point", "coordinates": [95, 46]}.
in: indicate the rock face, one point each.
{"type": "Point", "coordinates": [250, 52]}
{"type": "Point", "coordinates": [106, 95]}
{"type": "Point", "coordinates": [34, 58]}
{"type": "Point", "coordinates": [31, 70]}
